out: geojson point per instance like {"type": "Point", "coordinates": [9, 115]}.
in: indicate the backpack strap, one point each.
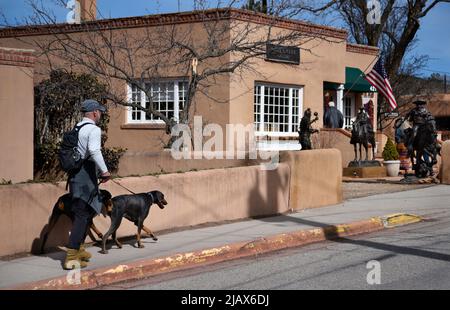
{"type": "Point", "coordinates": [78, 128]}
{"type": "Point", "coordinates": [82, 125]}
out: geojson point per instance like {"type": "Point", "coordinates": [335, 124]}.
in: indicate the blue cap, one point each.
{"type": "Point", "coordinates": [91, 105]}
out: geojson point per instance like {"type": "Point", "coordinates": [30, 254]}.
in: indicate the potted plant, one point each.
{"type": "Point", "coordinates": [391, 159]}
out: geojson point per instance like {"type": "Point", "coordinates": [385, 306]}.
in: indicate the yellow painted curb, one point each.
{"type": "Point", "coordinates": [400, 219]}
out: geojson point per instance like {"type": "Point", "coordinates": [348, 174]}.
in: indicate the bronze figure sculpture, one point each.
{"type": "Point", "coordinates": [306, 129]}
{"type": "Point", "coordinates": [421, 139]}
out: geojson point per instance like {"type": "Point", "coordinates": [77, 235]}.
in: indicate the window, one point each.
{"type": "Point", "coordinates": [277, 109]}
{"type": "Point", "coordinates": [349, 111]}
{"type": "Point", "coordinates": [168, 97]}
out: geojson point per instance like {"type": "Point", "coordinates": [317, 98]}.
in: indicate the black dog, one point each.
{"type": "Point", "coordinates": [134, 208]}
{"type": "Point", "coordinates": [64, 207]}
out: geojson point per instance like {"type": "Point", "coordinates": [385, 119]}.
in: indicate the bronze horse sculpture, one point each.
{"type": "Point", "coordinates": [362, 135]}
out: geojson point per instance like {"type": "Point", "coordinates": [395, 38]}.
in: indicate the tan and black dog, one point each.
{"type": "Point", "coordinates": [134, 208]}
{"type": "Point", "coordinates": [64, 207]}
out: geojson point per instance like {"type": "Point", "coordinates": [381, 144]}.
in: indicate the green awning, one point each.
{"type": "Point", "coordinates": [330, 86]}
{"type": "Point", "coordinates": [355, 81]}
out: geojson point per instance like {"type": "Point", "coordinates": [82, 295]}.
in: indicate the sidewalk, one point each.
{"type": "Point", "coordinates": [427, 202]}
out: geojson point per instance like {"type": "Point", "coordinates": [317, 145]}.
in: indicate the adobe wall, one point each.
{"type": "Point", "coordinates": [320, 60]}
{"type": "Point", "coordinates": [316, 178]}
{"type": "Point", "coordinates": [193, 199]}
{"type": "Point", "coordinates": [337, 139]}
{"type": "Point", "coordinates": [340, 139]}
{"type": "Point", "coordinates": [145, 163]}
{"type": "Point", "coordinates": [17, 115]}
{"type": "Point", "coordinates": [444, 174]}
{"type": "Point", "coordinates": [302, 180]}
{"type": "Point", "coordinates": [211, 102]}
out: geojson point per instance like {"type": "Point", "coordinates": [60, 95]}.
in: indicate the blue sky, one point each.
{"type": "Point", "coordinates": [433, 36]}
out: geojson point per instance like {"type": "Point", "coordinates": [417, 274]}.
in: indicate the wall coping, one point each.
{"type": "Point", "coordinates": [363, 49]}
{"type": "Point", "coordinates": [17, 57]}
{"type": "Point", "coordinates": [176, 18]}
{"type": "Point", "coordinates": [340, 130]}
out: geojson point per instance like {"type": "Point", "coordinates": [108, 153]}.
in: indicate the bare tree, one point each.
{"type": "Point", "coordinates": [222, 43]}
{"type": "Point", "coordinates": [394, 33]}
{"type": "Point", "coordinates": [257, 6]}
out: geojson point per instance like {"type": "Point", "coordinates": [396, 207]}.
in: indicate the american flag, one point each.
{"type": "Point", "coordinates": [378, 78]}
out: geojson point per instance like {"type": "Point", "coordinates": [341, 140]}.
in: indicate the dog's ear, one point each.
{"type": "Point", "coordinates": [105, 195]}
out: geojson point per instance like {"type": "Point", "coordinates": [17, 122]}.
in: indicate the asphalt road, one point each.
{"type": "Point", "coordinates": [411, 257]}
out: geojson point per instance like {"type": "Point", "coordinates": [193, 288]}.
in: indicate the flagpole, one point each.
{"type": "Point", "coordinates": [359, 77]}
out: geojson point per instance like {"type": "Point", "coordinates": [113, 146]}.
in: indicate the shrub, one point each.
{"type": "Point", "coordinates": [112, 157]}
{"type": "Point", "coordinates": [57, 109]}
{"type": "Point", "coordinates": [390, 151]}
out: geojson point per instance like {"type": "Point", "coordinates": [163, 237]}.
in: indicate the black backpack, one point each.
{"type": "Point", "coordinates": [69, 156]}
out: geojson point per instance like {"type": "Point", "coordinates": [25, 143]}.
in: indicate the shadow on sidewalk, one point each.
{"type": "Point", "coordinates": [129, 240]}
{"type": "Point", "coordinates": [331, 233]}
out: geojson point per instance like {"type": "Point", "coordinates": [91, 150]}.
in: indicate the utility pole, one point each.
{"type": "Point", "coordinates": [445, 83]}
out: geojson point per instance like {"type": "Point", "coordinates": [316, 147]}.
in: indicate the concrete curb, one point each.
{"type": "Point", "coordinates": [145, 268]}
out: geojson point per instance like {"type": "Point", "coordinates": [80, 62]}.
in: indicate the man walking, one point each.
{"type": "Point", "coordinates": [83, 185]}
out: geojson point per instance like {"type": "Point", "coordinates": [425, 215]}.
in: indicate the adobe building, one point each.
{"type": "Point", "coordinates": [327, 68]}
{"type": "Point", "coordinates": [439, 106]}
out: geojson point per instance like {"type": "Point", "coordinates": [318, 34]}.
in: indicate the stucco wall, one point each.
{"type": "Point", "coordinates": [193, 199]}
{"type": "Point", "coordinates": [363, 58]}
{"type": "Point", "coordinates": [17, 115]}
{"type": "Point", "coordinates": [144, 163]}
{"type": "Point", "coordinates": [302, 180]}
{"type": "Point", "coordinates": [316, 178]}
{"type": "Point", "coordinates": [230, 99]}
{"type": "Point", "coordinates": [211, 102]}
{"type": "Point", "coordinates": [338, 139]}
{"type": "Point", "coordinates": [445, 163]}
{"type": "Point", "coordinates": [321, 60]}
{"type": "Point", "coordinates": [356, 59]}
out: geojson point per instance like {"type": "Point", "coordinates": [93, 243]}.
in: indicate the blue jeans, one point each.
{"type": "Point", "coordinates": [83, 217]}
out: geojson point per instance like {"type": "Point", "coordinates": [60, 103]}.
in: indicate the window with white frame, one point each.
{"type": "Point", "coordinates": [277, 109]}
{"type": "Point", "coordinates": [168, 97]}
{"type": "Point", "coordinates": [349, 111]}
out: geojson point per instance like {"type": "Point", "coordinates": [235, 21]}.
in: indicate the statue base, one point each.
{"type": "Point", "coordinates": [365, 172]}
{"type": "Point", "coordinates": [364, 163]}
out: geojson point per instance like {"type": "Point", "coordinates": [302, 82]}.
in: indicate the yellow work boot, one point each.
{"type": "Point", "coordinates": [83, 254]}
{"type": "Point", "coordinates": [73, 261]}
